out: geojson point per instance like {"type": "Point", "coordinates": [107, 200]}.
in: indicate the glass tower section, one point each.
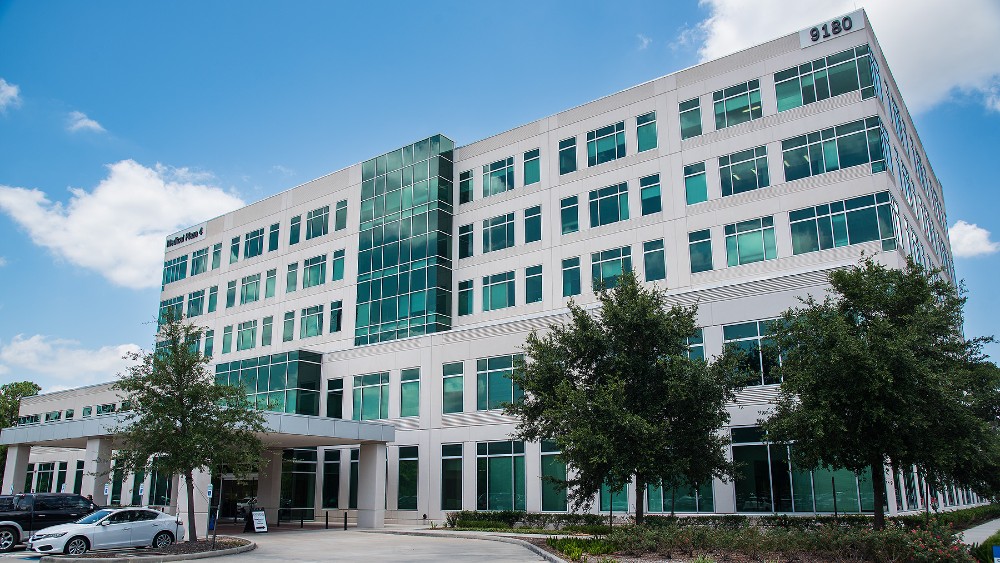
{"type": "Point", "coordinates": [404, 254]}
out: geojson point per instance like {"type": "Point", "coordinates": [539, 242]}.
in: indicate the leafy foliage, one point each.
{"type": "Point", "coordinates": [10, 402]}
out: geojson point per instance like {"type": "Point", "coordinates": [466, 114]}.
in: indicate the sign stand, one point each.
{"type": "Point", "coordinates": [259, 522]}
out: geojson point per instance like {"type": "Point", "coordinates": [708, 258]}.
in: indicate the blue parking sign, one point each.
{"type": "Point", "coordinates": [996, 554]}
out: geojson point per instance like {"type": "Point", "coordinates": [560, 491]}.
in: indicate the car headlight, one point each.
{"type": "Point", "coordinates": [45, 536]}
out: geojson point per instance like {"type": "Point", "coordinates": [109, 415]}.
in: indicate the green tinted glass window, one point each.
{"type": "Point", "coordinates": [609, 205]}
{"type": "Point", "coordinates": [645, 131]}
{"type": "Point", "coordinates": [690, 117]}
{"type": "Point", "coordinates": [409, 392]}
{"type": "Point", "coordinates": [606, 144]}
{"type": "Point", "coordinates": [532, 167]}
{"type": "Point", "coordinates": [737, 104]}
{"type": "Point", "coordinates": [571, 276]}
{"type": "Point", "coordinates": [567, 156]}
{"type": "Point", "coordinates": [700, 249]}
{"type": "Point", "coordinates": [750, 241]}
{"type": "Point", "coordinates": [744, 171]}
{"type": "Point", "coordinates": [533, 284]}
{"type": "Point", "coordinates": [649, 188]}
{"type": "Point", "coordinates": [653, 261]}
{"type": "Point", "coordinates": [569, 215]}
{"type": "Point", "coordinates": [533, 224]}
{"type": "Point", "coordinates": [695, 185]}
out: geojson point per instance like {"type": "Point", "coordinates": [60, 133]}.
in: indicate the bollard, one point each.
{"type": "Point", "coordinates": [345, 521]}
{"type": "Point", "coordinates": [328, 520]}
{"type": "Point", "coordinates": [301, 520]}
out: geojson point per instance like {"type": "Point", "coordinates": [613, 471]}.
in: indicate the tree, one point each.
{"type": "Point", "coordinates": [180, 420]}
{"type": "Point", "coordinates": [10, 403]}
{"type": "Point", "coordinates": [618, 393]}
{"type": "Point", "coordinates": [878, 375]}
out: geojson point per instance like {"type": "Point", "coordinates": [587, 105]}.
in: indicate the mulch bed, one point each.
{"type": "Point", "coordinates": [683, 557]}
{"type": "Point", "coordinates": [183, 548]}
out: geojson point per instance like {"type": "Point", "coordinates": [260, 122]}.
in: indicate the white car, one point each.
{"type": "Point", "coordinates": [109, 528]}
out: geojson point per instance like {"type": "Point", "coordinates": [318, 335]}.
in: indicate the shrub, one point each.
{"type": "Point", "coordinates": [984, 551]}
{"type": "Point", "coordinates": [574, 548]}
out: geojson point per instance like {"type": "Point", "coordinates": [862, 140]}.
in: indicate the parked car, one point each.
{"type": "Point", "coordinates": [110, 528]}
{"type": "Point", "coordinates": [23, 514]}
{"type": "Point", "coordinates": [245, 506]}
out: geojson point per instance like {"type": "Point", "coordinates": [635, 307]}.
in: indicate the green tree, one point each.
{"type": "Point", "coordinates": [616, 390]}
{"type": "Point", "coordinates": [878, 374]}
{"type": "Point", "coordinates": [181, 421]}
{"type": "Point", "coordinates": [10, 403]}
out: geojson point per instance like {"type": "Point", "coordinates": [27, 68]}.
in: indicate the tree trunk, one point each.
{"type": "Point", "coordinates": [878, 487]}
{"type": "Point", "coordinates": [640, 499]}
{"type": "Point", "coordinates": [192, 529]}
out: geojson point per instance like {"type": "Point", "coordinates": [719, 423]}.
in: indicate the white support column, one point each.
{"type": "Point", "coordinates": [175, 493]}
{"type": "Point", "coordinates": [96, 469]}
{"type": "Point", "coordinates": [269, 486]}
{"type": "Point", "coordinates": [16, 469]}
{"type": "Point", "coordinates": [371, 486]}
{"type": "Point", "coordinates": [201, 480]}
{"type": "Point", "coordinates": [890, 491]}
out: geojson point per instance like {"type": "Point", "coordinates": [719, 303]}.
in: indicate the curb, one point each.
{"type": "Point", "coordinates": [151, 558]}
{"type": "Point", "coordinates": [503, 539]}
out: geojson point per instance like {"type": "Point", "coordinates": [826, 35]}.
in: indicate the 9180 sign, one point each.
{"type": "Point", "coordinates": [832, 28]}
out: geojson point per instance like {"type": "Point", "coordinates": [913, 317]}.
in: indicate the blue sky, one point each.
{"type": "Point", "coordinates": [121, 122]}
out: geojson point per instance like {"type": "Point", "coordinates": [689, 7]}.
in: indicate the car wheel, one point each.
{"type": "Point", "coordinates": [8, 538]}
{"type": "Point", "coordinates": [163, 539]}
{"type": "Point", "coordinates": [76, 546]}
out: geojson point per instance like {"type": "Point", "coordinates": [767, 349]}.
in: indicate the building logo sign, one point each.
{"type": "Point", "coordinates": [832, 28]}
{"type": "Point", "coordinates": [185, 237]}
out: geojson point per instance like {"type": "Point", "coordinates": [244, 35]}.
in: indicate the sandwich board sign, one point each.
{"type": "Point", "coordinates": [259, 522]}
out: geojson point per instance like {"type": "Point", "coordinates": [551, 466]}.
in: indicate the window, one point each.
{"type": "Point", "coordinates": [311, 322]}
{"type": "Point", "coordinates": [567, 156]}
{"type": "Point", "coordinates": [409, 392]}
{"type": "Point", "coordinates": [451, 476]}
{"type": "Point", "coordinates": [737, 104]}
{"type": "Point", "coordinates": [744, 171]}
{"type": "Point", "coordinates": [318, 222]}
{"type": "Point", "coordinates": [759, 354]}
{"type": "Point", "coordinates": [645, 131]}
{"type": "Point", "coordinates": [847, 71]}
{"type": "Point", "coordinates": [498, 291]}
{"type": "Point", "coordinates": [533, 224]}
{"type": "Point", "coordinates": [213, 298]}
{"type": "Point", "coordinates": [409, 469]}
{"type": "Point", "coordinates": [331, 477]}
{"type": "Point", "coordinates": [571, 276]}
{"type": "Point", "coordinates": [227, 340]}
{"type": "Point", "coordinates": [337, 265]}
{"type": "Point", "coordinates": [234, 250]}
{"type": "Point", "coordinates": [695, 185]}
{"type": "Point", "coordinates": [609, 205]}
{"type": "Point", "coordinates": [267, 327]}
{"type": "Point", "coordinates": [294, 229]}
{"type": "Point", "coordinates": [371, 396]}
{"type": "Point", "coordinates": [700, 248]}
{"type": "Point", "coordinates": [253, 244]}
{"type": "Point", "coordinates": [314, 271]}
{"type": "Point", "coordinates": [270, 282]}
{"type": "Point", "coordinates": [336, 316]}
{"type": "Point", "coordinates": [452, 385]}
{"type": "Point", "coordinates": [613, 501]}
{"type": "Point", "coordinates": [653, 261]}
{"type": "Point", "coordinates": [231, 294]}
{"type": "Point", "coordinates": [750, 241]}
{"type": "Point", "coordinates": [681, 499]}
{"type": "Point", "coordinates": [649, 194]}
{"type": "Point", "coordinates": [216, 256]}
{"type": "Point", "coordinates": [199, 261]}
{"type": "Point", "coordinates": [498, 233]}
{"type": "Point", "coordinates": [841, 223]}
{"type": "Point", "coordinates": [175, 269]}
{"type": "Point", "coordinates": [553, 495]}
{"type": "Point", "coordinates": [249, 289]}
{"type": "Point", "coordinates": [171, 308]}
{"type": "Point", "coordinates": [292, 277]}
{"type": "Point", "coordinates": [608, 265]}
{"type": "Point", "coordinates": [196, 303]}
{"type": "Point", "coordinates": [465, 187]}
{"type": "Point", "coordinates": [272, 237]}
{"type": "Point", "coordinates": [246, 335]}
{"type": "Point", "coordinates": [532, 167]}
{"type": "Point", "coordinates": [569, 215]}
{"type": "Point", "coordinates": [340, 220]}
{"type": "Point", "coordinates": [288, 329]}
{"type": "Point", "coordinates": [533, 284]}
{"type": "Point", "coordinates": [465, 241]}
{"type": "Point", "coordinates": [843, 146]}
{"type": "Point", "coordinates": [690, 114]}
{"type": "Point", "coordinates": [498, 177]}
{"type": "Point", "coordinates": [606, 144]}
{"type": "Point", "coordinates": [335, 398]}
{"type": "Point", "coordinates": [500, 476]}
{"type": "Point", "coordinates": [696, 345]}
{"type": "Point", "coordinates": [465, 298]}
{"type": "Point", "coordinates": [494, 387]}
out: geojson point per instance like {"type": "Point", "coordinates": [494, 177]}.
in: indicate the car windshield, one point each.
{"type": "Point", "coordinates": [94, 517]}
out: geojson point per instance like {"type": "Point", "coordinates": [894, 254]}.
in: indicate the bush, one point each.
{"type": "Point", "coordinates": [511, 518]}
{"type": "Point", "coordinates": [984, 552]}
{"type": "Point", "coordinates": [574, 548]}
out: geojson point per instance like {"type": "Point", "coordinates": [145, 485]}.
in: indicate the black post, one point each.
{"type": "Point", "coordinates": [301, 520]}
{"type": "Point", "coordinates": [833, 482]}
{"type": "Point", "coordinates": [345, 521]}
{"type": "Point", "coordinates": [327, 519]}
{"type": "Point", "coordinates": [277, 521]}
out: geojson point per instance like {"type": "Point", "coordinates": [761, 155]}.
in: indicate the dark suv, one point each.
{"type": "Point", "coordinates": [22, 515]}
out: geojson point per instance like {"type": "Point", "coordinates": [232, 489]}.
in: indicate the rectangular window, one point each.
{"type": "Point", "coordinates": [569, 215]}
{"type": "Point", "coordinates": [617, 501]}
{"type": "Point", "coordinates": [175, 269]}
{"type": "Point", "coordinates": [216, 256]}
{"type": "Point", "coordinates": [700, 248]}
{"type": "Point", "coordinates": [409, 469]}
{"type": "Point", "coordinates": [465, 298]}
{"type": "Point", "coordinates": [465, 241]}
{"type": "Point", "coordinates": [172, 308]}
{"type": "Point", "coordinates": [199, 261]}
{"type": "Point", "coordinates": [841, 223]}
{"type": "Point", "coordinates": [451, 476]}
{"type": "Point", "coordinates": [234, 250]}
{"type": "Point", "coordinates": [453, 387]}
{"type": "Point", "coordinates": [337, 265]}
{"type": "Point", "coordinates": [649, 194]}
{"type": "Point", "coordinates": [532, 167]}
{"type": "Point", "coordinates": [294, 230]}
{"type": "Point", "coordinates": [231, 294]}
{"type": "Point", "coordinates": [270, 282]}
{"type": "Point", "coordinates": [267, 327]}
{"type": "Point", "coordinates": [340, 219]}
{"type": "Point", "coordinates": [760, 354]}
{"type": "Point", "coordinates": [696, 345]}
{"type": "Point", "coordinates": [246, 335]}
{"type": "Point", "coordinates": [608, 265]}
{"type": "Point", "coordinates": [498, 233]}
{"type": "Point", "coordinates": [533, 224]}
{"type": "Point", "coordinates": [196, 303]}
{"type": "Point", "coordinates": [318, 222]}
{"type": "Point", "coordinates": [843, 146]}
{"type": "Point", "coordinates": [331, 478]}
{"type": "Point", "coordinates": [744, 171]}
{"type": "Point", "coordinates": [653, 261]}
{"type": "Point", "coordinates": [227, 339]}
{"type": "Point", "coordinates": [314, 271]}
{"type": "Point", "coordinates": [336, 316]}
{"type": "Point", "coordinates": [567, 156]}
{"type": "Point", "coordinates": [690, 114]}
{"type": "Point", "coordinates": [288, 329]}
{"type": "Point", "coordinates": [311, 322]}
{"type": "Point", "coordinates": [847, 71]}
{"type": "Point", "coordinates": [498, 177]}
{"type": "Point", "coordinates": [494, 387]}
{"type": "Point", "coordinates": [409, 392]}
{"type": "Point", "coordinates": [465, 187]}
{"type": "Point", "coordinates": [681, 499]}
{"type": "Point", "coordinates": [272, 237]}
{"type": "Point", "coordinates": [606, 144]}
{"type": "Point", "coordinates": [645, 132]}
{"type": "Point", "coordinates": [750, 241]}
{"type": "Point", "coordinates": [737, 104]}
{"type": "Point", "coordinates": [500, 476]}
{"type": "Point", "coordinates": [533, 284]}
{"type": "Point", "coordinates": [695, 185]}
{"type": "Point", "coordinates": [249, 289]}
{"type": "Point", "coordinates": [553, 495]}
{"type": "Point", "coordinates": [371, 396]}
{"type": "Point", "coordinates": [571, 276]}
{"type": "Point", "coordinates": [335, 398]}
{"type": "Point", "coordinates": [292, 277]}
{"type": "Point", "coordinates": [352, 486]}
{"type": "Point", "coordinates": [253, 243]}
{"type": "Point", "coordinates": [609, 205]}
{"type": "Point", "coordinates": [498, 291]}
{"type": "Point", "coordinates": [213, 298]}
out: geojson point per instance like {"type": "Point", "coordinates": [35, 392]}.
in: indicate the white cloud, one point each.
{"type": "Point", "coordinates": [10, 95]}
{"type": "Point", "coordinates": [969, 240]}
{"type": "Point", "coordinates": [119, 229]}
{"type": "Point", "coordinates": [3, 261]}
{"type": "Point", "coordinates": [643, 41]}
{"type": "Point", "coordinates": [59, 363]}
{"type": "Point", "coordinates": [284, 170]}
{"type": "Point", "coordinates": [78, 121]}
{"type": "Point", "coordinates": [935, 50]}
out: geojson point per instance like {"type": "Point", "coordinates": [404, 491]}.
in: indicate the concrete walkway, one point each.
{"type": "Point", "coordinates": [981, 532]}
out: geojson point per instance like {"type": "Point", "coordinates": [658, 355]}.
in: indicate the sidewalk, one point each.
{"type": "Point", "coordinates": [981, 532]}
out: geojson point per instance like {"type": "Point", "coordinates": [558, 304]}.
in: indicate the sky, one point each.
{"type": "Point", "coordinates": [122, 122]}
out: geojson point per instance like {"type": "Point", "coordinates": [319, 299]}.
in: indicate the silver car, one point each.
{"type": "Point", "coordinates": [108, 529]}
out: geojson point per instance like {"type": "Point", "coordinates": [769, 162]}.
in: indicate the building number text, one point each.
{"type": "Point", "coordinates": [833, 28]}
